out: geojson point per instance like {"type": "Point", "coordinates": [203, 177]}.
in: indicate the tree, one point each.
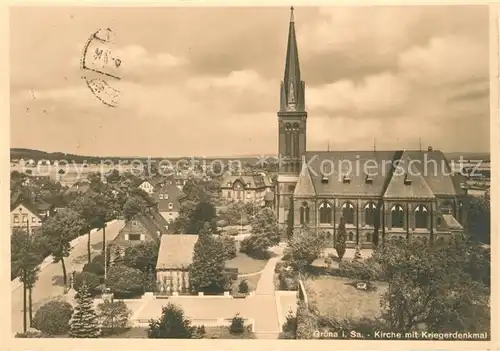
{"type": "Point", "coordinates": [114, 315]}
{"type": "Point", "coordinates": [91, 280]}
{"type": "Point", "coordinates": [304, 247]}
{"type": "Point", "coordinates": [206, 273]}
{"type": "Point", "coordinates": [237, 325]}
{"type": "Point", "coordinates": [428, 286]}
{"type": "Point", "coordinates": [84, 322]}
{"type": "Point", "coordinates": [142, 256]}
{"type": "Point", "coordinates": [96, 266]}
{"type": "Point", "coordinates": [479, 218]}
{"type": "Point", "coordinates": [290, 326]}
{"type": "Point", "coordinates": [59, 231]}
{"type": "Point", "coordinates": [243, 287]}
{"type": "Point", "coordinates": [53, 317]}
{"type": "Point", "coordinates": [125, 281]}
{"type": "Point", "coordinates": [171, 325]}
{"type": "Point", "coordinates": [193, 216]}
{"type": "Point", "coordinates": [133, 206]}
{"type": "Point", "coordinates": [265, 234]}
{"type": "Point", "coordinates": [113, 177]}
{"type": "Point", "coordinates": [340, 245]}
{"type": "Point", "coordinates": [229, 246]}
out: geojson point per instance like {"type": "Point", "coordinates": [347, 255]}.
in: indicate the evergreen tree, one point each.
{"type": "Point", "coordinates": [206, 273]}
{"type": "Point", "coordinates": [357, 255]}
{"type": "Point", "coordinates": [340, 240]}
{"type": "Point", "coordinates": [84, 322]}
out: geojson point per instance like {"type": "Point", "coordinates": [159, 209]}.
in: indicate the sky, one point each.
{"type": "Point", "coordinates": [206, 81]}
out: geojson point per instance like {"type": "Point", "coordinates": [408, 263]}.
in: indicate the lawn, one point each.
{"type": "Point", "coordinates": [245, 263]}
{"type": "Point", "coordinates": [334, 296]}
{"type": "Point", "coordinates": [251, 281]}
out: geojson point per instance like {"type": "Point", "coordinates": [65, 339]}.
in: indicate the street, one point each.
{"type": "Point", "coordinates": [50, 278]}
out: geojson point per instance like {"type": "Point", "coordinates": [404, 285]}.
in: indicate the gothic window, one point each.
{"type": "Point", "coordinates": [291, 188]}
{"type": "Point", "coordinates": [296, 127]}
{"type": "Point", "coordinates": [421, 217]}
{"type": "Point", "coordinates": [370, 213]}
{"type": "Point", "coordinates": [351, 236]}
{"type": "Point", "coordinates": [325, 212]}
{"type": "Point", "coordinates": [348, 213]}
{"type": "Point", "coordinates": [397, 214]}
{"type": "Point", "coordinates": [304, 213]}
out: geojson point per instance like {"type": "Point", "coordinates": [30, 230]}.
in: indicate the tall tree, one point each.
{"type": "Point", "coordinates": [265, 234]}
{"type": "Point", "coordinates": [340, 240]}
{"type": "Point", "coordinates": [304, 247]}
{"type": "Point", "coordinates": [206, 273]}
{"type": "Point", "coordinates": [428, 286]}
{"type": "Point", "coordinates": [84, 322]}
{"type": "Point", "coordinates": [59, 230]}
{"type": "Point", "coordinates": [172, 324]}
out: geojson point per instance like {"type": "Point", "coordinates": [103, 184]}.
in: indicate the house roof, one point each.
{"type": "Point", "coordinates": [159, 220]}
{"type": "Point", "coordinates": [176, 251]}
{"type": "Point", "coordinates": [249, 181]}
{"type": "Point", "coordinates": [28, 206]}
{"type": "Point", "coordinates": [174, 194]}
{"type": "Point", "coordinates": [305, 186]}
{"type": "Point", "coordinates": [269, 196]}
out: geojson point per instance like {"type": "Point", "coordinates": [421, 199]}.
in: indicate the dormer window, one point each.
{"type": "Point", "coordinates": [248, 185]}
{"type": "Point", "coordinates": [170, 206]}
{"type": "Point", "coordinates": [161, 196]}
{"type": "Point", "coordinates": [324, 180]}
{"type": "Point", "coordinates": [228, 183]}
{"type": "Point", "coordinates": [165, 196]}
{"type": "Point", "coordinates": [346, 179]}
{"type": "Point", "coordinates": [407, 181]}
{"type": "Point", "coordinates": [368, 179]}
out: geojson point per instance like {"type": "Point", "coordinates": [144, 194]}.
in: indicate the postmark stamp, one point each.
{"type": "Point", "coordinates": [101, 67]}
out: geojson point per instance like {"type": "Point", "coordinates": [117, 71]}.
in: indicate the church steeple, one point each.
{"type": "Point", "coordinates": [292, 88]}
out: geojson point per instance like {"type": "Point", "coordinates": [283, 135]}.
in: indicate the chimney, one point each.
{"type": "Point", "coordinates": [429, 148]}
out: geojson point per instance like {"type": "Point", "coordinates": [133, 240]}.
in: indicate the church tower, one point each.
{"type": "Point", "coordinates": [292, 115]}
{"type": "Point", "coordinates": [292, 118]}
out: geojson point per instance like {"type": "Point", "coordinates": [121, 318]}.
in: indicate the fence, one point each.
{"type": "Point", "coordinates": [302, 293]}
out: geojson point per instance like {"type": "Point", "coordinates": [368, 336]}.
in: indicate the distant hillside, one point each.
{"type": "Point", "coordinates": [455, 156]}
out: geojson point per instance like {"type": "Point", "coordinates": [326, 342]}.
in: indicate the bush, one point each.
{"type": "Point", "coordinates": [229, 246]}
{"type": "Point", "coordinates": [171, 325]}
{"type": "Point", "coordinates": [125, 282]}
{"type": "Point", "coordinates": [232, 232]}
{"type": "Point", "coordinates": [53, 317]}
{"type": "Point", "coordinates": [307, 322]}
{"type": "Point", "coordinates": [96, 266]}
{"type": "Point", "coordinates": [365, 271]}
{"type": "Point", "coordinates": [92, 280]}
{"type": "Point", "coordinates": [222, 223]}
{"type": "Point", "coordinates": [251, 246]}
{"type": "Point", "coordinates": [243, 287]}
{"type": "Point", "coordinates": [113, 316]}
{"type": "Point", "coordinates": [31, 334]}
{"type": "Point", "coordinates": [237, 325]}
{"type": "Point", "coordinates": [289, 327]}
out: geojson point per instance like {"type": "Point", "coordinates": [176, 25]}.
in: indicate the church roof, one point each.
{"type": "Point", "coordinates": [372, 173]}
{"type": "Point", "coordinates": [451, 222]}
{"type": "Point", "coordinates": [336, 173]}
{"type": "Point", "coordinates": [407, 181]}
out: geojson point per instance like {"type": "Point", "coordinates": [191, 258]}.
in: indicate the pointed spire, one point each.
{"type": "Point", "coordinates": [328, 147]}
{"type": "Point", "coordinates": [293, 87]}
{"type": "Point", "coordinates": [374, 144]}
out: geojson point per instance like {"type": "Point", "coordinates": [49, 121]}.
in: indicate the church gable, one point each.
{"type": "Point", "coordinates": [305, 186]}
{"type": "Point", "coordinates": [407, 181]}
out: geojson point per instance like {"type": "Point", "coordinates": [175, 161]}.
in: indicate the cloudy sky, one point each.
{"type": "Point", "coordinates": [205, 81]}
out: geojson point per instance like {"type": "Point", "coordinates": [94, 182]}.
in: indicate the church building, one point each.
{"type": "Point", "coordinates": [381, 195]}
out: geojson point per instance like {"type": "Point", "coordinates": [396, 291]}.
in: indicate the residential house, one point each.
{"type": "Point", "coordinates": [168, 195]}
{"type": "Point", "coordinates": [78, 188]}
{"type": "Point", "coordinates": [148, 186]}
{"type": "Point", "coordinates": [139, 229]}
{"type": "Point", "coordinates": [174, 258]}
{"type": "Point", "coordinates": [28, 216]}
{"type": "Point", "coordinates": [246, 188]}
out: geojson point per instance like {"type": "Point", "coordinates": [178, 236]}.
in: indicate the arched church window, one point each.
{"type": "Point", "coordinates": [296, 127]}
{"type": "Point", "coordinates": [288, 127]}
{"type": "Point", "coordinates": [370, 213]}
{"type": "Point", "coordinates": [325, 212]}
{"type": "Point", "coordinates": [304, 213]}
{"type": "Point", "coordinates": [397, 214]}
{"type": "Point", "coordinates": [421, 217]}
{"type": "Point", "coordinates": [348, 213]}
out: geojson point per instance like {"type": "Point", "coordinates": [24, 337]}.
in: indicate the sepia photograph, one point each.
{"type": "Point", "coordinates": [254, 172]}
